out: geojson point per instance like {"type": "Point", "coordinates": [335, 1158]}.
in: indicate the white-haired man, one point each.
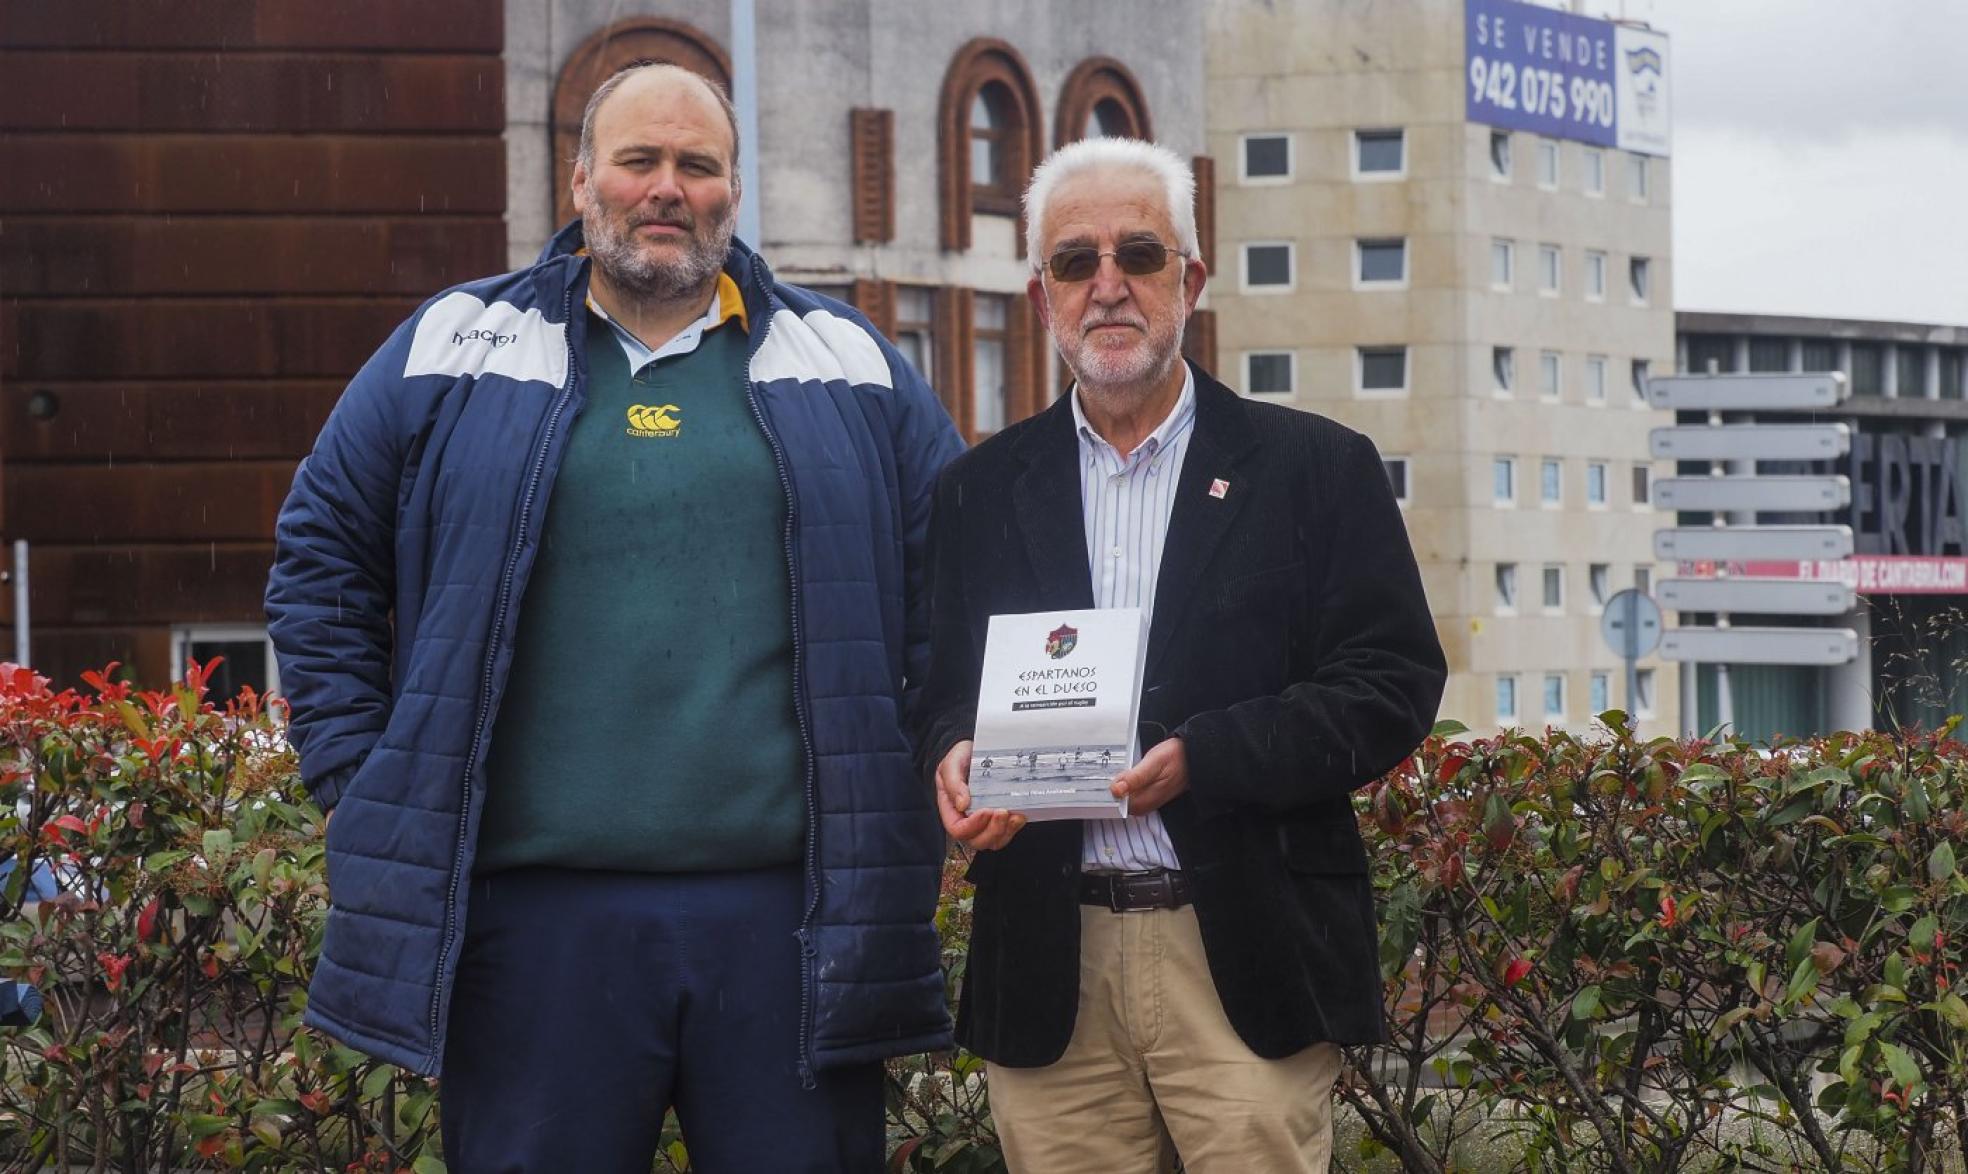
{"type": "Point", "coordinates": [1175, 982]}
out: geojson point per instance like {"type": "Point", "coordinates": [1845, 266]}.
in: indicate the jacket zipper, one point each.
{"type": "Point", "coordinates": [812, 870]}
{"type": "Point", "coordinates": [485, 686]}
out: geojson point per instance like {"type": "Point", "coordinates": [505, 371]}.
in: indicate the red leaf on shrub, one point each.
{"type": "Point", "coordinates": [1515, 972]}
{"type": "Point", "coordinates": [1669, 912]}
{"type": "Point", "coordinates": [135, 814]}
{"type": "Point", "coordinates": [147, 920]}
{"type": "Point", "coordinates": [68, 823]}
{"type": "Point", "coordinates": [1450, 767]}
{"type": "Point", "coordinates": [316, 1103]}
{"type": "Point", "coordinates": [113, 967]}
{"type": "Point", "coordinates": [210, 1147]}
{"type": "Point", "coordinates": [899, 1161]}
{"type": "Point", "coordinates": [210, 966]}
{"type": "Point", "coordinates": [1827, 957]}
{"type": "Point", "coordinates": [1452, 870]}
{"type": "Point", "coordinates": [1568, 885]}
{"type": "Point", "coordinates": [152, 1063]}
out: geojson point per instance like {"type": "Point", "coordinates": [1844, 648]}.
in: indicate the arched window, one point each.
{"type": "Point", "coordinates": [1101, 97]}
{"type": "Point", "coordinates": [622, 43]}
{"type": "Point", "coordinates": [989, 137]}
{"type": "Point", "coordinates": [990, 171]}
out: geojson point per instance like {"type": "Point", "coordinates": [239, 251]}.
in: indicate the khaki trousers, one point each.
{"type": "Point", "coordinates": [1155, 1069]}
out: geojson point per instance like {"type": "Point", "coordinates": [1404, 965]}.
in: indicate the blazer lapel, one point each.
{"type": "Point", "coordinates": [1045, 500]}
{"type": "Point", "coordinates": [1203, 509]}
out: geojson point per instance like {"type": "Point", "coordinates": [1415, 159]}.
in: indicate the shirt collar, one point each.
{"type": "Point", "coordinates": [726, 303]}
{"type": "Point", "coordinates": [1178, 419]}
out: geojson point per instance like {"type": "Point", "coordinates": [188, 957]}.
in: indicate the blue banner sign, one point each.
{"type": "Point", "coordinates": [1567, 76]}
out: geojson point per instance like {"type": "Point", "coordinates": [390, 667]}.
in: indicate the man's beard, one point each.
{"type": "Point", "coordinates": [611, 241]}
{"type": "Point", "coordinates": [1143, 365]}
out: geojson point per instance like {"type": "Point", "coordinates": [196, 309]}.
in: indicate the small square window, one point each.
{"type": "Point", "coordinates": [1595, 172]}
{"type": "Point", "coordinates": [1595, 378]}
{"type": "Point", "coordinates": [1503, 479]}
{"type": "Point", "coordinates": [1602, 693]}
{"type": "Point", "coordinates": [1506, 698]}
{"type": "Point", "coordinates": [1503, 263]}
{"type": "Point", "coordinates": [1643, 488]}
{"type": "Point", "coordinates": [1549, 384]}
{"type": "Point", "coordinates": [1500, 154]}
{"type": "Point", "coordinates": [1267, 157]}
{"type": "Point", "coordinates": [246, 652]}
{"type": "Point", "coordinates": [1383, 368]}
{"type": "Point", "coordinates": [1636, 173]}
{"type": "Point", "coordinates": [1595, 483]}
{"type": "Point", "coordinates": [1643, 692]}
{"type": "Point", "coordinates": [1595, 276]}
{"type": "Point", "coordinates": [1599, 580]}
{"type": "Point", "coordinates": [1506, 586]}
{"type": "Point", "coordinates": [1551, 480]}
{"type": "Point", "coordinates": [1382, 262]}
{"type": "Point", "coordinates": [1554, 587]}
{"type": "Point", "coordinates": [1503, 364]}
{"type": "Point", "coordinates": [1640, 368]}
{"type": "Point", "coordinates": [1397, 477]}
{"type": "Point", "coordinates": [1643, 579]}
{"type": "Point", "coordinates": [1547, 163]}
{"type": "Point", "coordinates": [1640, 272]}
{"type": "Point", "coordinates": [1548, 269]}
{"type": "Point", "coordinates": [1554, 695]}
{"type": "Point", "coordinates": [1269, 373]}
{"type": "Point", "coordinates": [1268, 266]}
{"type": "Point", "coordinates": [1379, 153]}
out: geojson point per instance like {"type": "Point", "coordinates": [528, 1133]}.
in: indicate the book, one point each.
{"type": "Point", "coordinates": [1058, 704]}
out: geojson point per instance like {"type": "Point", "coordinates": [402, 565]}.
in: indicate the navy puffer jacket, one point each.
{"type": "Point", "coordinates": [401, 565]}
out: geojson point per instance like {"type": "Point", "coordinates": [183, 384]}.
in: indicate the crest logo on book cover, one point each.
{"type": "Point", "coordinates": [1062, 640]}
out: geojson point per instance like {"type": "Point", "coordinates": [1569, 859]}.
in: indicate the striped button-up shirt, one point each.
{"type": "Point", "coordinates": [1126, 503]}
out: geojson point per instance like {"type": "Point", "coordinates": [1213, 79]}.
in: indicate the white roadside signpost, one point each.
{"type": "Point", "coordinates": [1735, 499]}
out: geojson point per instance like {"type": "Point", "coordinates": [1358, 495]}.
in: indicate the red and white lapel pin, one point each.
{"type": "Point", "coordinates": [1219, 488]}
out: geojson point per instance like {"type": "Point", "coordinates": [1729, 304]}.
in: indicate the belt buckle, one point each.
{"type": "Point", "coordinates": [1116, 889]}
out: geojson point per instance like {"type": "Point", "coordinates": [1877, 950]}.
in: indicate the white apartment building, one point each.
{"type": "Point", "coordinates": [1484, 302]}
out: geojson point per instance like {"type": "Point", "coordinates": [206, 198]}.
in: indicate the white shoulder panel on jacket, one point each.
{"type": "Point", "coordinates": [820, 346]}
{"type": "Point", "coordinates": [460, 335]}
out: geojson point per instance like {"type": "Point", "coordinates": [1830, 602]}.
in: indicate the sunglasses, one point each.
{"type": "Point", "coordinates": [1136, 259]}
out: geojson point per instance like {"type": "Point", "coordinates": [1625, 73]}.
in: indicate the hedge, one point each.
{"type": "Point", "coordinates": [1600, 953]}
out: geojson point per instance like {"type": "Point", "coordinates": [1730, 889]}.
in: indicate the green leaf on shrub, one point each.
{"type": "Point", "coordinates": [374, 1084]}
{"type": "Point", "coordinates": [1915, 801]}
{"type": "Point", "coordinates": [1940, 865]}
{"type": "Point", "coordinates": [428, 1165]}
{"type": "Point", "coordinates": [1951, 1008]}
{"type": "Point", "coordinates": [204, 1124]}
{"type": "Point", "coordinates": [218, 846]}
{"type": "Point", "coordinates": [1921, 936]}
{"type": "Point", "coordinates": [1585, 1005]}
{"type": "Point", "coordinates": [1728, 1021]}
{"type": "Point", "coordinates": [1900, 1064]}
{"type": "Point", "coordinates": [1797, 809]}
{"type": "Point", "coordinates": [1895, 971]}
{"type": "Point", "coordinates": [1448, 728]}
{"type": "Point", "coordinates": [1897, 899]}
{"type": "Point", "coordinates": [159, 861]}
{"type": "Point", "coordinates": [1803, 981]}
{"type": "Point", "coordinates": [1800, 943]}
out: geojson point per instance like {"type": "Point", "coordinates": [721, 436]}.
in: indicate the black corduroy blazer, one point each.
{"type": "Point", "coordinates": [1291, 649]}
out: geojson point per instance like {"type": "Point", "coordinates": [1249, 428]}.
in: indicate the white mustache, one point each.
{"type": "Point", "coordinates": [1140, 324]}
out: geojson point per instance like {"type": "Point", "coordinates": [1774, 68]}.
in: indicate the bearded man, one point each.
{"type": "Point", "coordinates": [1176, 982]}
{"type": "Point", "coordinates": [596, 603]}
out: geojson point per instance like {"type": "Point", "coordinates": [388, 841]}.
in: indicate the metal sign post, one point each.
{"type": "Point", "coordinates": [22, 648]}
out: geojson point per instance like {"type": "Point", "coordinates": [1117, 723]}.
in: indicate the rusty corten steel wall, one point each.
{"type": "Point", "coordinates": [211, 212]}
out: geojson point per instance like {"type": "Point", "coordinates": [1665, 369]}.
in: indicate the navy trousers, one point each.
{"type": "Point", "coordinates": [588, 1003]}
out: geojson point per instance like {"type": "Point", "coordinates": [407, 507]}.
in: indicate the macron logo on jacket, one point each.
{"type": "Point", "coordinates": [460, 335]}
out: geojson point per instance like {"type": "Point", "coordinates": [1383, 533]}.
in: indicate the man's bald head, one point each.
{"type": "Point", "coordinates": [655, 74]}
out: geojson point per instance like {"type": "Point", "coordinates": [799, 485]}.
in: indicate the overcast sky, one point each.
{"type": "Point", "coordinates": [1820, 154]}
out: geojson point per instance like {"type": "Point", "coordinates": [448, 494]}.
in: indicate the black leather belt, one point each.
{"type": "Point", "coordinates": [1129, 892]}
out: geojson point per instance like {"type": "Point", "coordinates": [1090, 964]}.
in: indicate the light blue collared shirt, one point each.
{"type": "Point", "coordinates": [1127, 502]}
